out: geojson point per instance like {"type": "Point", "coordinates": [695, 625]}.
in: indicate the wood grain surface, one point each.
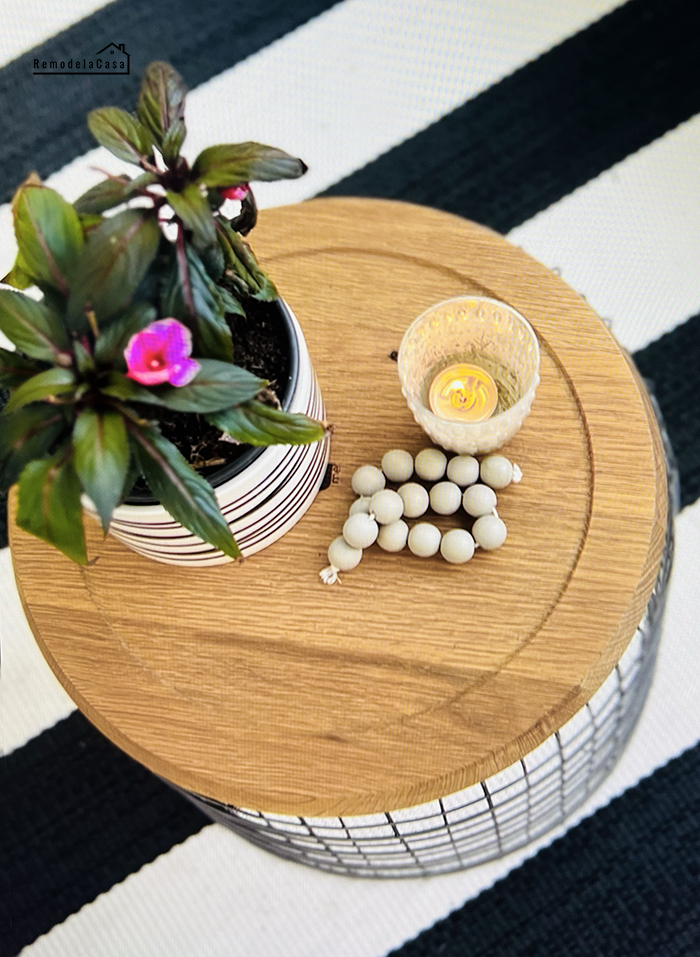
{"type": "Point", "coordinates": [257, 685]}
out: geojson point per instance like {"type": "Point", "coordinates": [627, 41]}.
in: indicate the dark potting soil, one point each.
{"type": "Point", "coordinates": [260, 345]}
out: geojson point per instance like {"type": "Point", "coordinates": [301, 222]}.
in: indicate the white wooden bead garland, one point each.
{"type": "Point", "coordinates": [378, 513]}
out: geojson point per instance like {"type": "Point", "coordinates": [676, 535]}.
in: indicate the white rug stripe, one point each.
{"type": "Point", "coordinates": [218, 896]}
{"type": "Point", "coordinates": [629, 240]}
{"type": "Point", "coordinates": [338, 91]}
{"type": "Point", "coordinates": [27, 24]}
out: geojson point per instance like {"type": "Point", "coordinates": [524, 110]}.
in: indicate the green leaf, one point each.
{"type": "Point", "coordinates": [231, 304]}
{"type": "Point", "coordinates": [195, 212]}
{"type": "Point", "coordinates": [115, 259]}
{"type": "Point", "coordinates": [102, 196]}
{"type": "Point", "coordinates": [15, 369]}
{"type": "Point", "coordinates": [133, 473]}
{"type": "Point", "coordinates": [267, 291]}
{"type": "Point", "coordinates": [49, 236]}
{"type": "Point", "coordinates": [184, 494]}
{"type": "Point", "coordinates": [231, 164]}
{"type": "Point", "coordinates": [161, 104]}
{"type": "Point", "coordinates": [213, 259]}
{"type": "Point", "coordinates": [148, 290]}
{"type": "Point", "coordinates": [101, 458]}
{"type": "Point", "coordinates": [83, 360]}
{"type": "Point", "coordinates": [255, 423]}
{"type": "Point", "coordinates": [121, 133]}
{"type": "Point", "coordinates": [172, 141]}
{"type": "Point", "coordinates": [195, 300]}
{"type": "Point", "coordinates": [114, 338]}
{"type": "Point", "coordinates": [55, 302]}
{"type": "Point", "coordinates": [218, 385]}
{"type": "Point", "coordinates": [119, 387]}
{"type": "Point", "coordinates": [33, 328]}
{"type": "Point", "coordinates": [25, 435]}
{"type": "Point", "coordinates": [111, 192]}
{"type": "Point", "coordinates": [40, 387]}
{"type": "Point", "coordinates": [243, 268]}
{"type": "Point", "coordinates": [18, 278]}
{"type": "Point", "coordinates": [49, 505]}
{"type": "Point", "coordinates": [89, 222]}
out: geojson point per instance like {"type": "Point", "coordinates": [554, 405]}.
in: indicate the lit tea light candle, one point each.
{"type": "Point", "coordinates": [464, 393]}
{"type": "Point", "coordinates": [469, 368]}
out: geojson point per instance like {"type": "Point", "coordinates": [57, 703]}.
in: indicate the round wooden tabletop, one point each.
{"type": "Point", "coordinates": [257, 685]}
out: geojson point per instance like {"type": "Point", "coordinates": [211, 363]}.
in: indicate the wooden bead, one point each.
{"type": "Point", "coordinates": [415, 500]}
{"type": "Point", "coordinates": [457, 546]}
{"type": "Point", "coordinates": [397, 465]}
{"type": "Point", "coordinates": [479, 500]}
{"type": "Point", "coordinates": [343, 556]}
{"type": "Point", "coordinates": [431, 464]}
{"type": "Point", "coordinates": [496, 471]}
{"type": "Point", "coordinates": [424, 539]}
{"type": "Point", "coordinates": [360, 504]}
{"type": "Point", "coordinates": [386, 506]}
{"type": "Point", "coordinates": [367, 480]}
{"type": "Point", "coordinates": [463, 470]}
{"type": "Point", "coordinates": [360, 530]}
{"type": "Point", "coordinates": [393, 538]}
{"type": "Point", "coordinates": [490, 532]}
{"type": "Point", "coordinates": [445, 498]}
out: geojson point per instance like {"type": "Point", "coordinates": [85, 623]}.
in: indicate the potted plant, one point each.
{"type": "Point", "coordinates": [128, 395]}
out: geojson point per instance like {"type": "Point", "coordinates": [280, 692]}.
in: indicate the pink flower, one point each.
{"type": "Point", "coordinates": [235, 192]}
{"type": "Point", "coordinates": [160, 353]}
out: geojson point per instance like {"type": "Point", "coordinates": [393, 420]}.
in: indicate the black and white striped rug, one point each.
{"type": "Point", "coordinates": [573, 126]}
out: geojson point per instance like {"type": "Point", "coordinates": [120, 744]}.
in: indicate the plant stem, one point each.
{"type": "Point", "coordinates": [121, 178]}
{"type": "Point", "coordinates": [149, 167]}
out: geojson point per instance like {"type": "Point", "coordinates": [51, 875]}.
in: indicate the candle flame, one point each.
{"type": "Point", "coordinates": [463, 392]}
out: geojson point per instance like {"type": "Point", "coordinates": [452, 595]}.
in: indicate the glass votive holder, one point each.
{"type": "Point", "coordinates": [492, 353]}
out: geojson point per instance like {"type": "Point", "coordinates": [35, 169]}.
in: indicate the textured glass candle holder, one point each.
{"type": "Point", "coordinates": [482, 332]}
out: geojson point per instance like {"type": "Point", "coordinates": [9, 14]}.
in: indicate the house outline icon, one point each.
{"type": "Point", "coordinates": [115, 49]}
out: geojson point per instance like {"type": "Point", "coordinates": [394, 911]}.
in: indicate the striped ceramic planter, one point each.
{"type": "Point", "coordinates": [262, 494]}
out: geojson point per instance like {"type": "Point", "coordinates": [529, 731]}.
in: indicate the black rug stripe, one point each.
{"type": "Point", "coordinates": [44, 116]}
{"type": "Point", "coordinates": [624, 883]}
{"type": "Point", "coordinates": [77, 816]}
{"type": "Point", "coordinates": [107, 774]}
{"type": "Point", "coordinates": [673, 364]}
{"type": "Point", "coordinates": [554, 124]}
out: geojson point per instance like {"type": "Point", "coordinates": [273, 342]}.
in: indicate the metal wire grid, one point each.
{"type": "Point", "coordinates": [498, 815]}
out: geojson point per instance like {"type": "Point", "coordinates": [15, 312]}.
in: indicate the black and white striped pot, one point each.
{"type": "Point", "coordinates": [262, 494]}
